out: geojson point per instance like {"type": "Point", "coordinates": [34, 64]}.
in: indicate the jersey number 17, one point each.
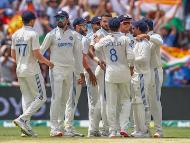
{"type": "Point", "coordinates": [21, 49]}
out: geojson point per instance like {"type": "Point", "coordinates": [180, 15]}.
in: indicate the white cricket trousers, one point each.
{"type": "Point", "coordinates": [61, 82]}
{"type": "Point", "coordinates": [154, 97]}
{"type": "Point", "coordinates": [72, 102]}
{"type": "Point", "coordinates": [100, 75]}
{"type": "Point", "coordinates": [118, 101]}
{"type": "Point", "coordinates": [93, 105]}
{"type": "Point", "coordinates": [33, 94]}
{"type": "Point", "coordinates": [140, 84]}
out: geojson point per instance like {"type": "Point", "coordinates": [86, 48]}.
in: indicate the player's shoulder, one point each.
{"type": "Point", "coordinates": [53, 31]}
{"type": "Point", "coordinates": [100, 32]}
{"type": "Point", "coordinates": [156, 35]}
{"type": "Point", "coordinates": [145, 42]}
{"type": "Point", "coordinates": [17, 32]}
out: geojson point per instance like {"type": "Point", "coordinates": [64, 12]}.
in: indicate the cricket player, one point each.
{"type": "Point", "coordinates": [99, 72]}
{"type": "Point", "coordinates": [65, 54]}
{"type": "Point", "coordinates": [156, 77]}
{"type": "Point", "coordinates": [92, 89]}
{"type": "Point", "coordinates": [141, 81]}
{"type": "Point", "coordinates": [79, 25]}
{"type": "Point", "coordinates": [125, 26]}
{"type": "Point", "coordinates": [118, 57]}
{"type": "Point", "coordinates": [25, 50]}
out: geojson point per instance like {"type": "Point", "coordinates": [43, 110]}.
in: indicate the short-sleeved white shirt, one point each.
{"type": "Point", "coordinates": [118, 56]}
{"type": "Point", "coordinates": [24, 42]}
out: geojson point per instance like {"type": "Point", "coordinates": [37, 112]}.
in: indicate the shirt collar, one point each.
{"type": "Point", "coordinates": [150, 33]}
{"type": "Point", "coordinates": [28, 27]}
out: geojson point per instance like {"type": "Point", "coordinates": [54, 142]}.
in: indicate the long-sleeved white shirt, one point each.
{"type": "Point", "coordinates": [142, 53]}
{"type": "Point", "coordinates": [118, 55]}
{"type": "Point", "coordinates": [65, 48]}
{"type": "Point", "coordinates": [100, 33]}
{"type": "Point", "coordinates": [156, 41]}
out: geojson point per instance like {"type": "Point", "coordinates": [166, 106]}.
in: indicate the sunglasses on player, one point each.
{"type": "Point", "coordinates": [60, 19]}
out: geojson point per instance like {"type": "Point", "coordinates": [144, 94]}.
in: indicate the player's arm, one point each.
{"type": "Point", "coordinates": [37, 53]}
{"type": "Point", "coordinates": [130, 56]}
{"type": "Point", "coordinates": [46, 43]}
{"type": "Point", "coordinates": [156, 39]}
{"type": "Point", "coordinates": [77, 53]}
{"type": "Point", "coordinates": [85, 51]}
{"type": "Point", "coordinates": [142, 37]}
{"type": "Point", "coordinates": [99, 47]}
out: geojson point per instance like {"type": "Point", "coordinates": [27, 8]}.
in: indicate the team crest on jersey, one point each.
{"type": "Point", "coordinates": [71, 38]}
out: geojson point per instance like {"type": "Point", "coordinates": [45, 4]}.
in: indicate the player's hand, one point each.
{"type": "Point", "coordinates": [132, 70]}
{"type": "Point", "coordinates": [96, 38]}
{"type": "Point", "coordinates": [102, 64]}
{"type": "Point", "coordinates": [82, 79]}
{"type": "Point", "coordinates": [142, 37]}
{"type": "Point", "coordinates": [93, 80]}
{"type": "Point", "coordinates": [92, 77]}
{"type": "Point", "coordinates": [51, 65]}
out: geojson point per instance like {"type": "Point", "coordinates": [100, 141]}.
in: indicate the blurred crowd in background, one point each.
{"type": "Point", "coordinates": [171, 21]}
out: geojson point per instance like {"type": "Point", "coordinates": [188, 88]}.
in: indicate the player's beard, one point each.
{"type": "Point", "coordinates": [61, 25]}
{"type": "Point", "coordinates": [106, 28]}
{"type": "Point", "coordinates": [82, 32]}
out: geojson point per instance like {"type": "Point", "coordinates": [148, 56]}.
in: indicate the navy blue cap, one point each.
{"type": "Point", "coordinates": [149, 22]}
{"type": "Point", "coordinates": [95, 20]}
{"type": "Point", "coordinates": [78, 21]}
{"type": "Point", "coordinates": [141, 25]}
{"type": "Point", "coordinates": [124, 18]}
{"type": "Point", "coordinates": [114, 23]}
{"type": "Point", "coordinates": [62, 13]}
{"type": "Point", "coordinates": [27, 16]}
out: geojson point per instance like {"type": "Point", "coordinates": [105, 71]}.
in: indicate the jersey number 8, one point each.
{"type": "Point", "coordinates": [113, 55]}
{"type": "Point", "coordinates": [21, 49]}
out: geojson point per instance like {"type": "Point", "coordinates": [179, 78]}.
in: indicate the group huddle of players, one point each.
{"type": "Point", "coordinates": [118, 58]}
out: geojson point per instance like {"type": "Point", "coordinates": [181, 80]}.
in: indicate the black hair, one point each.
{"type": "Point", "coordinates": [106, 15]}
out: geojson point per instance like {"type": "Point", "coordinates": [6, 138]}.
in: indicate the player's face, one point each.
{"type": "Point", "coordinates": [61, 21]}
{"type": "Point", "coordinates": [104, 23]}
{"type": "Point", "coordinates": [135, 31]}
{"type": "Point", "coordinates": [96, 26]}
{"type": "Point", "coordinates": [125, 26]}
{"type": "Point", "coordinates": [82, 29]}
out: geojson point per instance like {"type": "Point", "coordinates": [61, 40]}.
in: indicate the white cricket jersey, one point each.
{"type": "Point", "coordinates": [118, 55]}
{"type": "Point", "coordinates": [156, 41]}
{"type": "Point", "coordinates": [86, 45]}
{"type": "Point", "coordinates": [24, 41]}
{"type": "Point", "coordinates": [100, 33]}
{"type": "Point", "coordinates": [142, 53]}
{"type": "Point", "coordinates": [65, 48]}
{"type": "Point", "coordinates": [132, 40]}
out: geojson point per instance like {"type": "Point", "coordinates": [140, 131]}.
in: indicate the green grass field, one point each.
{"type": "Point", "coordinates": [12, 135]}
